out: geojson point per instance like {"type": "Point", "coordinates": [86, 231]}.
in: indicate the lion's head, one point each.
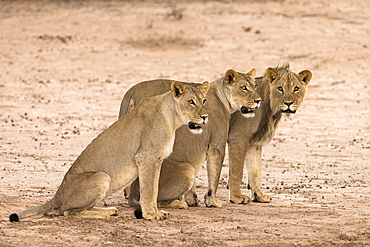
{"type": "Point", "coordinates": [191, 101]}
{"type": "Point", "coordinates": [242, 92]}
{"type": "Point", "coordinates": [287, 89]}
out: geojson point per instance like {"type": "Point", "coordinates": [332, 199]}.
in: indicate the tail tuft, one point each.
{"type": "Point", "coordinates": [138, 214]}
{"type": "Point", "coordinates": [14, 218]}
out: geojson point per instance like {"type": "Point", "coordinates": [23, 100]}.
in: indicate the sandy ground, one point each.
{"type": "Point", "coordinates": [65, 66]}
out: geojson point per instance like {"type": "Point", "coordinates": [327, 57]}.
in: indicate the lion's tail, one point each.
{"type": "Point", "coordinates": [127, 104]}
{"type": "Point", "coordinates": [42, 209]}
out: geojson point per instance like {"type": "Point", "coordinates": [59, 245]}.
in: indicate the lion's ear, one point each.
{"type": "Point", "coordinates": [305, 76]}
{"type": "Point", "coordinates": [272, 74]}
{"type": "Point", "coordinates": [231, 76]}
{"type": "Point", "coordinates": [204, 87]}
{"type": "Point", "coordinates": [178, 90]}
{"type": "Point", "coordinates": [252, 73]}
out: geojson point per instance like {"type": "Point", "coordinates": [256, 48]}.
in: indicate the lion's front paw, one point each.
{"type": "Point", "coordinates": [265, 198]}
{"type": "Point", "coordinates": [159, 215]}
{"type": "Point", "coordinates": [240, 199]}
{"type": "Point", "coordinates": [212, 202]}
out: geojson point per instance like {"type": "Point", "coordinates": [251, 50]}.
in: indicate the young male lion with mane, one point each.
{"type": "Point", "coordinates": [282, 93]}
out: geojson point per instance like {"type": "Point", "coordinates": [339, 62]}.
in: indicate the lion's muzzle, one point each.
{"type": "Point", "coordinates": [289, 109]}
{"type": "Point", "coordinates": [246, 110]}
{"type": "Point", "coordinates": [194, 126]}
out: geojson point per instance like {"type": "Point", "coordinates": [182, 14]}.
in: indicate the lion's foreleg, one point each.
{"type": "Point", "coordinates": [237, 154]}
{"type": "Point", "coordinates": [215, 157]}
{"type": "Point", "coordinates": [149, 171]}
{"type": "Point", "coordinates": [253, 163]}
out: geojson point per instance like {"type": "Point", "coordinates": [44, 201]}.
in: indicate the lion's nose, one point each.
{"type": "Point", "coordinates": [204, 117]}
{"type": "Point", "coordinates": [257, 101]}
{"type": "Point", "coordinates": [288, 103]}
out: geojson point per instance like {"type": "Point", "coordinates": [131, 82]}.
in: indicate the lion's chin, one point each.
{"type": "Point", "coordinates": [289, 111]}
{"type": "Point", "coordinates": [196, 131]}
{"type": "Point", "coordinates": [248, 115]}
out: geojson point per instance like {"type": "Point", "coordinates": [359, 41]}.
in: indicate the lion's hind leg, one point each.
{"type": "Point", "coordinates": [93, 213]}
{"type": "Point", "coordinates": [176, 179]}
{"type": "Point", "coordinates": [81, 192]}
{"type": "Point", "coordinates": [87, 214]}
{"type": "Point", "coordinates": [113, 211]}
{"type": "Point", "coordinates": [177, 204]}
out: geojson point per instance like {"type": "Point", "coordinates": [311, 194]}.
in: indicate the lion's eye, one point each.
{"type": "Point", "coordinates": [280, 89]}
{"type": "Point", "coordinates": [191, 102]}
{"type": "Point", "coordinates": [296, 89]}
{"type": "Point", "coordinates": [204, 101]}
{"type": "Point", "coordinates": [245, 88]}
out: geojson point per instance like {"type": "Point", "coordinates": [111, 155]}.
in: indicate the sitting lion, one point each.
{"type": "Point", "coordinates": [282, 92]}
{"type": "Point", "coordinates": [134, 146]}
{"type": "Point", "coordinates": [232, 92]}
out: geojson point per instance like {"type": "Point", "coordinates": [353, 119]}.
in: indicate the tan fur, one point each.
{"type": "Point", "coordinates": [230, 93]}
{"type": "Point", "coordinates": [282, 92]}
{"type": "Point", "coordinates": [134, 146]}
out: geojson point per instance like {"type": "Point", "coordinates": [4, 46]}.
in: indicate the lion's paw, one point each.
{"type": "Point", "coordinates": [265, 198]}
{"type": "Point", "coordinates": [113, 211]}
{"type": "Point", "coordinates": [177, 204]}
{"type": "Point", "coordinates": [182, 205]}
{"type": "Point", "coordinates": [212, 202]}
{"type": "Point", "coordinates": [159, 215]}
{"type": "Point", "coordinates": [192, 201]}
{"type": "Point", "coordinates": [240, 199]}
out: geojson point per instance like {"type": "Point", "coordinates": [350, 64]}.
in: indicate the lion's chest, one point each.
{"type": "Point", "coordinates": [265, 131]}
